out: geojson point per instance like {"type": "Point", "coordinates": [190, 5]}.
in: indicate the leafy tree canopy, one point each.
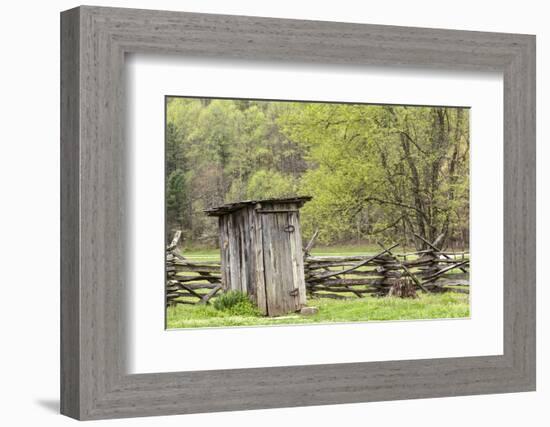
{"type": "Point", "coordinates": [375, 172]}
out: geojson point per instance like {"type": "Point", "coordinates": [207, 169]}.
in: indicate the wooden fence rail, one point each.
{"type": "Point", "coordinates": [189, 282]}
{"type": "Point", "coordinates": [339, 277]}
{"type": "Point", "coordinates": [430, 270]}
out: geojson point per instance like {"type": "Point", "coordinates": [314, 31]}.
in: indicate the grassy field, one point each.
{"type": "Point", "coordinates": [214, 254]}
{"type": "Point", "coordinates": [369, 308]}
{"type": "Point", "coordinates": [432, 306]}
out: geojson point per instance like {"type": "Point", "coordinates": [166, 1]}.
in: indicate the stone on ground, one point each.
{"type": "Point", "coordinates": [308, 311]}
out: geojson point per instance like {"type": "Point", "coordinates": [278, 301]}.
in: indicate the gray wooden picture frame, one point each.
{"type": "Point", "coordinates": [94, 382]}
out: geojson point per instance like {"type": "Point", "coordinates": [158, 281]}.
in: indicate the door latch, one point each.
{"type": "Point", "coordinates": [289, 228]}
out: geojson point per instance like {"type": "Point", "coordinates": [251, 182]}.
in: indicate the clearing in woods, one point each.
{"type": "Point", "coordinates": [370, 308]}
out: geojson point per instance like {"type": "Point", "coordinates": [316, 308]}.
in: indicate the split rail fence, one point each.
{"type": "Point", "coordinates": [429, 270]}
{"type": "Point", "coordinates": [339, 277]}
{"type": "Point", "coordinates": [189, 282]}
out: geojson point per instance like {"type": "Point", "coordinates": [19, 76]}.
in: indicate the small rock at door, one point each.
{"type": "Point", "coordinates": [308, 311]}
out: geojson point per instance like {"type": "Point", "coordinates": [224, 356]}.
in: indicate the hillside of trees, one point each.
{"type": "Point", "coordinates": [375, 172]}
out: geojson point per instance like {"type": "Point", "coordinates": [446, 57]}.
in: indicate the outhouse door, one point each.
{"type": "Point", "coordinates": [283, 260]}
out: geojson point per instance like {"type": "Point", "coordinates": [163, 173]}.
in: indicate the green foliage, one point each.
{"type": "Point", "coordinates": [383, 170]}
{"type": "Point", "coordinates": [270, 184]}
{"type": "Point", "coordinates": [176, 193]}
{"type": "Point", "coordinates": [229, 299]}
{"type": "Point", "coordinates": [375, 172]}
{"type": "Point", "coordinates": [235, 303]}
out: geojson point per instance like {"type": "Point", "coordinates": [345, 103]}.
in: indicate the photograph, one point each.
{"type": "Point", "coordinates": [298, 212]}
{"type": "Point", "coordinates": [265, 214]}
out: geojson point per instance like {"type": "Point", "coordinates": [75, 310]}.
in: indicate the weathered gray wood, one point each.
{"type": "Point", "coordinates": [443, 271]}
{"type": "Point", "coordinates": [185, 262]}
{"type": "Point", "coordinates": [259, 263]}
{"type": "Point", "coordinates": [263, 238]}
{"type": "Point", "coordinates": [198, 285]}
{"type": "Point", "coordinates": [360, 273]}
{"type": "Point", "coordinates": [329, 295]}
{"type": "Point", "coordinates": [209, 295]}
{"type": "Point", "coordinates": [278, 271]}
{"type": "Point", "coordinates": [95, 383]}
{"type": "Point", "coordinates": [176, 302]}
{"type": "Point", "coordinates": [175, 241]}
{"type": "Point", "coordinates": [297, 260]}
{"type": "Point", "coordinates": [285, 300]}
{"type": "Point", "coordinates": [224, 255]}
{"type": "Point", "coordinates": [71, 391]}
{"type": "Point", "coordinates": [196, 278]}
{"type": "Point", "coordinates": [234, 254]}
{"type": "Point", "coordinates": [249, 253]}
{"type": "Point", "coordinates": [171, 296]}
{"type": "Point", "coordinates": [309, 245]}
{"type": "Point", "coordinates": [353, 267]}
{"type": "Point", "coordinates": [404, 267]}
{"type": "Point", "coordinates": [347, 282]}
{"type": "Point", "coordinates": [178, 285]}
{"type": "Point", "coordinates": [435, 245]}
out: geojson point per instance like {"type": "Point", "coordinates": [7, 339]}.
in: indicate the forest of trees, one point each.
{"type": "Point", "coordinates": [375, 172]}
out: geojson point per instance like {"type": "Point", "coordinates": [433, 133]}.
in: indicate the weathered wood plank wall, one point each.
{"type": "Point", "coordinates": [261, 252]}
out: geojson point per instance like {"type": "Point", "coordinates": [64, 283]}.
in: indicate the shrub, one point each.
{"type": "Point", "coordinates": [235, 303]}
{"type": "Point", "coordinates": [229, 299]}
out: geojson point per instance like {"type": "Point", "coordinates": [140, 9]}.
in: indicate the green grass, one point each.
{"type": "Point", "coordinates": [346, 250]}
{"type": "Point", "coordinates": [427, 306]}
{"type": "Point", "coordinates": [209, 254]}
{"type": "Point", "coordinates": [369, 308]}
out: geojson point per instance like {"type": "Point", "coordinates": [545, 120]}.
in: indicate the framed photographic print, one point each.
{"type": "Point", "coordinates": [277, 213]}
{"type": "Point", "coordinates": [341, 174]}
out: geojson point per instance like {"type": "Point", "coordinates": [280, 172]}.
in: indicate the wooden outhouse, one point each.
{"type": "Point", "coordinates": [261, 252]}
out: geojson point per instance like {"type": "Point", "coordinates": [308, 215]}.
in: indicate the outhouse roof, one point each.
{"type": "Point", "coordinates": [231, 207]}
